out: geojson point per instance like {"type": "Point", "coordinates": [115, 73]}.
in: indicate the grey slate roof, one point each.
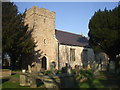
{"type": "Point", "coordinates": [71, 39]}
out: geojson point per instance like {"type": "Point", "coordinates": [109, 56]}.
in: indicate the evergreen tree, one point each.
{"type": "Point", "coordinates": [105, 32]}
{"type": "Point", "coordinates": [16, 40]}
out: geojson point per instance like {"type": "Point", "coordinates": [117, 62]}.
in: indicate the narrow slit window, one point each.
{"type": "Point", "coordinates": [44, 41]}
{"type": "Point", "coordinates": [44, 20]}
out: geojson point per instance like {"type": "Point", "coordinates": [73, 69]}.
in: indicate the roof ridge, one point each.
{"type": "Point", "coordinates": [70, 33]}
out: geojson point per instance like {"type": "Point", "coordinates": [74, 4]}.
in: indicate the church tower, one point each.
{"type": "Point", "coordinates": [42, 22]}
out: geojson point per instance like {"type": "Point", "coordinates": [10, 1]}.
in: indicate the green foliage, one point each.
{"type": "Point", "coordinates": [17, 41]}
{"type": "Point", "coordinates": [105, 31]}
{"type": "Point", "coordinates": [47, 72]}
{"type": "Point", "coordinates": [86, 73]}
{"type": "Point", "coordinates": [59, 71]}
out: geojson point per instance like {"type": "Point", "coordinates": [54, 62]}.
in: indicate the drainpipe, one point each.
{"type": "Point", "coordinates": [58, 58]}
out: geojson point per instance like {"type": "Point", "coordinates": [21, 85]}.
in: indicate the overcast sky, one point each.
{"type": "Point", "coordinates": [70, 16]}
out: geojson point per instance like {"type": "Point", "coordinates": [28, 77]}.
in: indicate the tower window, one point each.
{"type": "Point", "coordinates": [44, 41]}
{"type": "Point", "coordinates": [44, 20]}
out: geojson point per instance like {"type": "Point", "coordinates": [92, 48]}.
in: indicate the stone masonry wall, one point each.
{"type": "Point", "coordinates": [64, 55]}
{"type": "Point", "coordinates": [42, 21]}
{"type": "Point", "coordinates": [80, 56]}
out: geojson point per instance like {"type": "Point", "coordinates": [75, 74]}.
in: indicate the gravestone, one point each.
{"type": "Point", "coordinates": [69, 69]}
{"type": "Point", "coordinates": [5, 73]}
{"type": "Point", "coordinates": [52, 68]}
{"type": "Point", "coordinates": [112, 67]}
{"type": "Point", "coordinates": [104, 65]}
{"type": "Point", "coordinates": [34, 67]}
{"type": "Point", "coordinates": [77, 69]}
{"type": "Point", "coordinates": [33, 82]}
{"type": "Point", "coordinates": [22, 80]}
{"type": "Point", "coordinates": [29, 69]}
{"type": "Point", "coordinates": [96, 68]}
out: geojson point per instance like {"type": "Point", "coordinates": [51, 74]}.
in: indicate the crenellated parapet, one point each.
{"type": "Point", "coordinates": [40, 19]}
{"type": "Point", "coordinates": [40, 12]}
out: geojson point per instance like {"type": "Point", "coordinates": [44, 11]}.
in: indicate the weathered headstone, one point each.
{"type": "Point", "coordinates": [52, 68]}
{"type": "Point", "coordinates": [29, 69]}
{"type": "Point", "coordinates": [69, 69]}
{"type": "Point", "coordinates": [104, 66]}
{"type": "Point", "coordinates": [96, 68]}
{"type": "Point", "coordinates": [77, 69]}
{"type": "Point", "coordinates": [112, 66]}
{"type": "Point", "coordinates": [34, 67]}
{"type": "Point", "coordinates": [33, 82]}
{"type": "Point", "coordinates": [22, 80]}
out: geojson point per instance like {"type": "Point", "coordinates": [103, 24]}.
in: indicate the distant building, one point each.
{"type": "Point", "coordinates": [55, 46]}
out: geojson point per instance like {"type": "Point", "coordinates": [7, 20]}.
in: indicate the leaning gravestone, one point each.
{"type": "Point", "coordinates": [96, 68]}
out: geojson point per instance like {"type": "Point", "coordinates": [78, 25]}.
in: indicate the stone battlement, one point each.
{"type": "Point", "coordinates": [40, 12]}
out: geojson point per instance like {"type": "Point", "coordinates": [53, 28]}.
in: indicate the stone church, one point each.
{"type": "Point", "coordinates": [55, 46]}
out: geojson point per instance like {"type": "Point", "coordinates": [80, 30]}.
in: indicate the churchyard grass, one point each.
{"type": "Point", "coordinates": [11, 82]}
{"type": "Point", "coordinates": [91, 81]}
{"type": "Point", "coordinates": [86, 79]}
{"type": "Point", "coordinates": [102, 80]}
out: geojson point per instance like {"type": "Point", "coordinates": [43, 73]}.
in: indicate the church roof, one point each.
{"type": "Point", "coordinates": [71, 39]}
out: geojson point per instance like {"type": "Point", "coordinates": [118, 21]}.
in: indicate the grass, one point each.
{"type": "Point", "coordinates": [11, 82]}
{"type": "Point", "coordinates": [92, 81]}
{"type": "Point", "coordinates": [118, 78]}
{"type": "Point", "coordinates": [102, 80]}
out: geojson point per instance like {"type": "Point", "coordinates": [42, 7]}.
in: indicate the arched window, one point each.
{"type": "Point", "coordinates": [44, 63]}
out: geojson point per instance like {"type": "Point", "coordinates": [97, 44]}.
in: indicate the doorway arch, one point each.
{"type": "Point", "coordinates": [44, 63]}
